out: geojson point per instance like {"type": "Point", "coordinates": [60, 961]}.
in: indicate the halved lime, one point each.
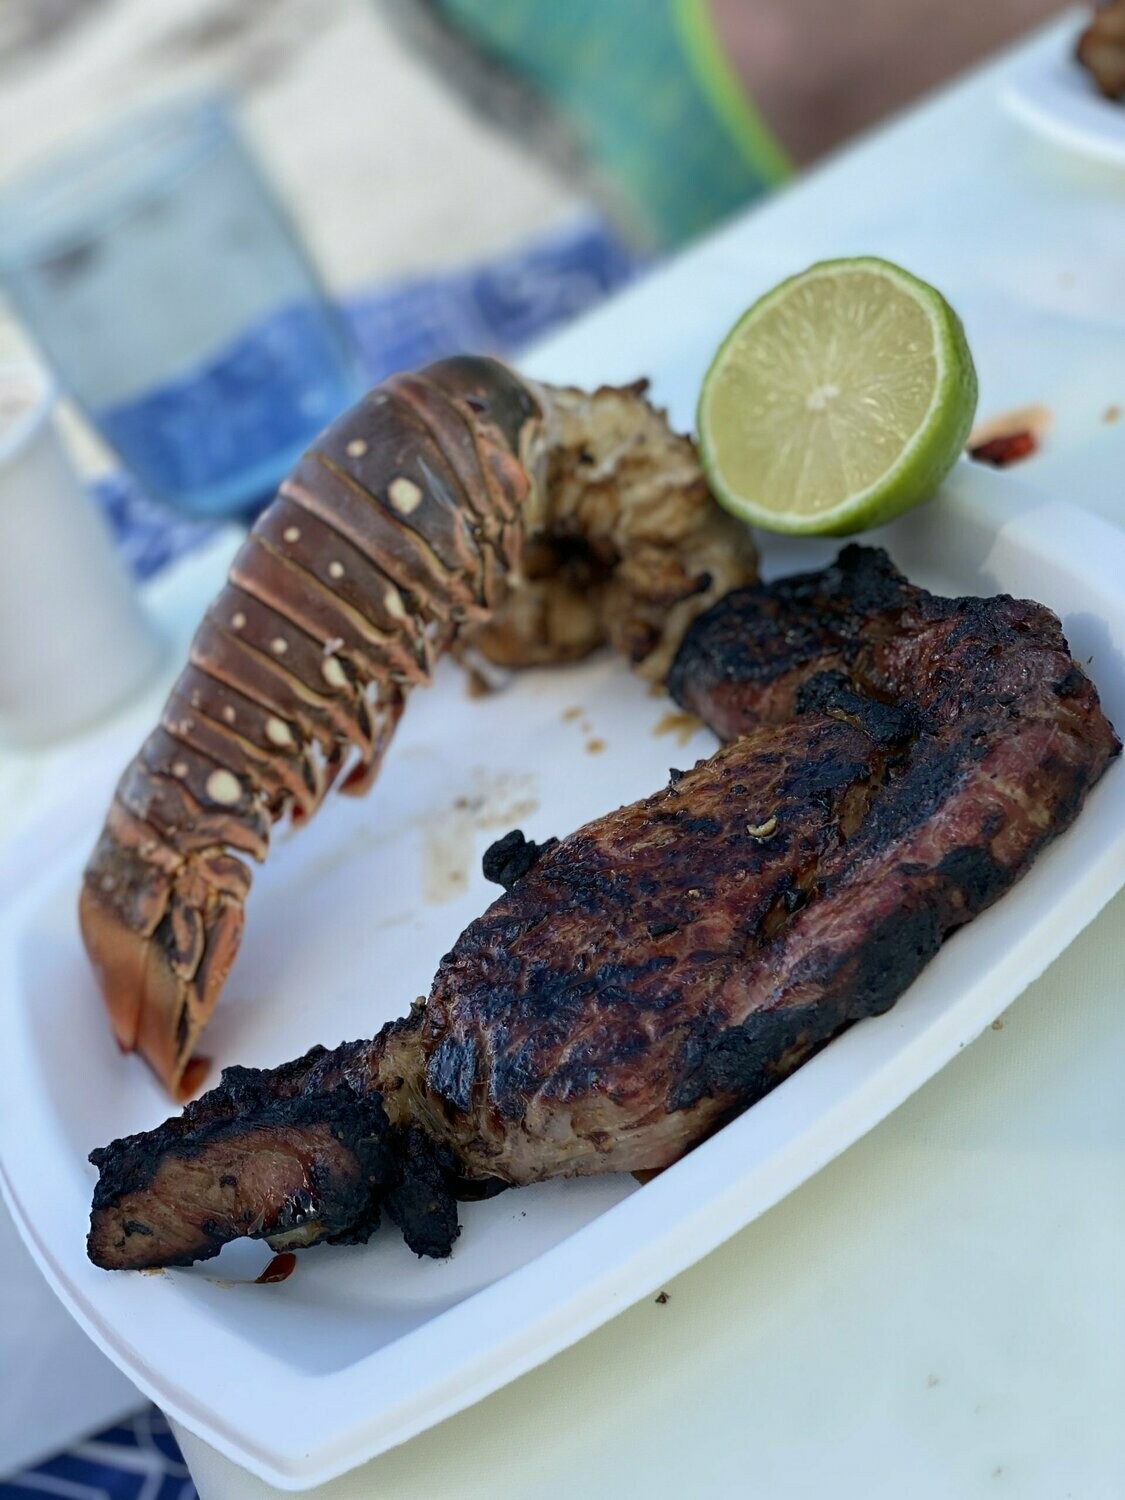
{"type": "Point", "coordinates": [839, 400]}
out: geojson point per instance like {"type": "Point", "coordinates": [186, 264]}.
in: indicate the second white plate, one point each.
{"type": "Point", "coordinates": [1052, 93]}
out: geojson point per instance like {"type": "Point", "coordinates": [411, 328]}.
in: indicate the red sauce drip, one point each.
{"type": "Point", "coordinates": [1009, 449]}
{"type": "Point", "coordinates": [279, 1269]}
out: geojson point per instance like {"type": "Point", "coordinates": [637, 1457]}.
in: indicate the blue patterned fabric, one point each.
{"type": "Point", "coordinates": [136, 1461]}
{"type": "Point", "coordinates": [494, 308]}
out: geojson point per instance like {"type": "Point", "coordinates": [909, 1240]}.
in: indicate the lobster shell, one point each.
{"type": "Point", "coordinates": [397, 536]}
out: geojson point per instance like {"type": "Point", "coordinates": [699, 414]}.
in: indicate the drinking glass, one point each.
{"type": "Point", "coordinates": [160, 277]}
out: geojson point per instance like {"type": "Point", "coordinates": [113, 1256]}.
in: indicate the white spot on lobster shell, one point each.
{"type": "Point", "coordinates": [279, 645]}
{"type": "Point", "coordinates": [404, 494]}
{"type": "Point", "coordinates": [224, 788]}
{"type": "Point", "coordinates": [291, 534]}
{"type": "Point", "coordinates": [356, 448]}
{"type": "Point", "coordinates": [277, 732]}
{"type": "Point", "coordinates": [330, 666]}
{"type": "Point", "coordinates": [228, 713]}
{"type": "Point", "coordinates": [334, 673]}
{"type": "Point", "coordinates": [180, 769]}
{"type": "Point", "coordinates": [238, 620]}
{"type": "Point", "coordinates": [335, 569]}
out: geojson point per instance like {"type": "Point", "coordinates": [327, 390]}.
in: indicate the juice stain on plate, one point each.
{"type": "Point", "coordinates": [496, 800]}
{"type": "Point", "coordinates": [683, 726]}
{"type": "Point", "coordinates": [447, 853]}
{"type": "Point", "coordinates": [280, 1268]}
{"type": "Point", "coordinates": [1035, 419]}
{"type": "Point", "coordinates": [594, 745]}
{"type": "Point", "coordinates": [1002, 452]}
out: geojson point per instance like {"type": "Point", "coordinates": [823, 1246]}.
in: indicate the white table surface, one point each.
{"type": "Point", "coordinates": [941, 1312]}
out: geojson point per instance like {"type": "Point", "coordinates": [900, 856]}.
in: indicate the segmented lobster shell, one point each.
{"type": "Point", "coordinates": [400, 526]}
{"type": "Point", "coordinates": [394, 537]}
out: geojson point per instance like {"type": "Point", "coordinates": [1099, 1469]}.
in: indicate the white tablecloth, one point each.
{"type": "Point", "coordinates": [941, 1311]}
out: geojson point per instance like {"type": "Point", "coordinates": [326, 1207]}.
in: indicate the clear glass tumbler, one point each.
{"type": "Point", "coordinates": [160, 277]}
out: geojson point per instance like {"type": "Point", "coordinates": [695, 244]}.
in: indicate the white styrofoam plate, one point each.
{"type": "Point", "coordinates": [1050, 91]}
{"type": "Point", "coordinates": [365, 1346]}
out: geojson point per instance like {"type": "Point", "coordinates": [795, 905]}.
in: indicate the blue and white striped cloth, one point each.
{"type": "Point", "coordinates": [496, 307]}
{"type": "Point", "coordinates": [138, 1460]}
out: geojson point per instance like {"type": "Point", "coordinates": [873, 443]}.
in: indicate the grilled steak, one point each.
{"type": "Point", "coordinates": [896, 761]}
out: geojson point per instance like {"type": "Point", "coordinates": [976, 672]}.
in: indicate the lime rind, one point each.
{"type": "Point", "coordinates": [923, 461]}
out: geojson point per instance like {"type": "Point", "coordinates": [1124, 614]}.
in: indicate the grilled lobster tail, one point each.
{"type": "Point", "coordinates": [405, 531]}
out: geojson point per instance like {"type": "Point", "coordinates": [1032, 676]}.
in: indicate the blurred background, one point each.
{"type": "Point", "coordinates": [221, 219]}
{"type": "Point", "coordinates": [182, 179]}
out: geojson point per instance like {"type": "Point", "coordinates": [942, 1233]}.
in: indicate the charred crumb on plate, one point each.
{"type": "Point", "coordinates": [509, 859]}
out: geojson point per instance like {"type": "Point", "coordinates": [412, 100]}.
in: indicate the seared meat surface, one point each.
{"type": "Point", "coordinates": [896, 761]}
{"type": "Point", "coordinates": [295, 1155]}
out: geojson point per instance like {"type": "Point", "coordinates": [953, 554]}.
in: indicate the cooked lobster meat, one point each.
{"type": "Point", "coordinates": [895, 762]}
{"type": "Point", "coordinates": [460, 508]}
{"type": "Point", "coordinates": [1101, 49]}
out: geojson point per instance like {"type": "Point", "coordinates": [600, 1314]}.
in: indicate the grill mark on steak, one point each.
{"type": "Point", "coordinates": [896, 761]}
